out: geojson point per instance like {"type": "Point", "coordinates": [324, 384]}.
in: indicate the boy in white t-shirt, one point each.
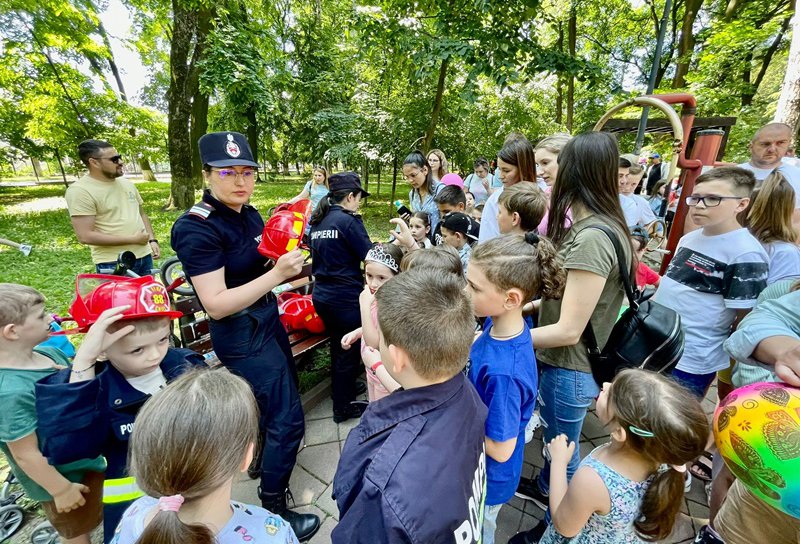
{"type": "Point", "coordinates": [716, 274]}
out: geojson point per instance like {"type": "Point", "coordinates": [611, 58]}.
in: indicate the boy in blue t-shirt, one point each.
{"type": "Point", "coordinates": [503, 274]}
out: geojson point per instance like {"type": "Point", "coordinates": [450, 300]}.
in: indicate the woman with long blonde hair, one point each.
{"type": "Point", "coordinates": [770, 221]}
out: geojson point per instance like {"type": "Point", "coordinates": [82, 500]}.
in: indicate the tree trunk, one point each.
{"type": "Point", "coordinates": [147, 170]}
{"type": "Point", "coordinates": [199, 126]}
{"type": "Point", "coordinates": [748, 95]}
{"type": "Point", "coordinates": [187, 46]}
{"type": "Point", "coordinates": [686, 43]}
{"type": "Point", "coordinates": [252, 131]}
{"type": "Point", "coordinates": [427, 142]}
{"type": "Point", "coordinates": [789, 102]}
{"type": "Point", "coordinates": [394, 186]}
{"type": "Point", "coordinates": [572, 31]}
{"type": "Point", "coordinates": [37, 168]}
{"type": "Point", "coordinates": [560, 79]}
{"type": "Point", "coordinates": [61, 166]}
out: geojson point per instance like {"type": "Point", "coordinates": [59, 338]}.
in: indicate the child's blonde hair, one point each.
{"type": "Point", "coordinates": [18, 301]}
{"type": "Point", "coordinates": [527, 262]}
{"type": "Point", "coordinates": [771, 209]}
{"type": "Point", "coordinates": [526, 199]}
{"type": "Point", "coordinates": [189, 440]}
{"type": "Point", "coordinates": [442, 257]}
{"type": "Point", "coordinates": [665, 424]}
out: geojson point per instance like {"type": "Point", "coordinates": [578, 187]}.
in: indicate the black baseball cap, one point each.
{"type": "Point", "coordinates": [225, 149]}
{"type": "Point", "coordinates": [346, 181]}
{"type": "Point", "coordinates": [461, 222]}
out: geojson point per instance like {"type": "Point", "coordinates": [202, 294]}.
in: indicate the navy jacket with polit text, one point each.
{"type": "Point", "coordinates": [95, 417]}
{"type": "Point", "coordinates": [339, 244]}
{"type": "Point", "coordinates": [414, 469]}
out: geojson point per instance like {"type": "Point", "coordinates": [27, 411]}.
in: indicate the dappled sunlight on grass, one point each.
{"type": "Point", "coordinates": [39, 205]}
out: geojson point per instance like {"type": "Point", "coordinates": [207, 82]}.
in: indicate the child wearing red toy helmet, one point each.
{"type": "Point", "coordinates": [89, 409]}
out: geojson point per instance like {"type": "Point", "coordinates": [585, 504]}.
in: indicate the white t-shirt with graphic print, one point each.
{"type": "Point", "coordinates": [708, 279]}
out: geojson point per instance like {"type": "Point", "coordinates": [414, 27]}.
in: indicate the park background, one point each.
{"type": "Point", "coordinates": [347, 84]}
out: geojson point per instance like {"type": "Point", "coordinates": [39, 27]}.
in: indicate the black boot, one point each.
{"type": "Point", "coordinates": [304, 525]}
{"type": "Point", "coordinates": [349, 411]}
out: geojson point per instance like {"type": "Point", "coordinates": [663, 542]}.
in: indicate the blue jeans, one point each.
{"type": "Point", "coordinates": [142, 267]}
{"type": "Point", "coordinates": [564, 398]}
{"type": "Point", "coordinates": [696, 383]}
{"type": "Point", "coordinates": [490, 522]}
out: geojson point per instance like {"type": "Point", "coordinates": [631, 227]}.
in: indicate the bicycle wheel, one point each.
{"type": "Point", "coordinates": [44, 533]}
{"type": "Point", "coordinates": [11, 517]}
{"type": "Point", "coordinates": [171, 270]}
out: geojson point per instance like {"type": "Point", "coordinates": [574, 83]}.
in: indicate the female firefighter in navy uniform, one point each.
{"type": "Point", "coordinates": [217, 241]}
{"type": "Point", "coordinates": [339, 243]}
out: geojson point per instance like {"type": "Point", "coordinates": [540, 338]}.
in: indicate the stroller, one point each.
{"type": "Point", "coordinates": [12, 516]}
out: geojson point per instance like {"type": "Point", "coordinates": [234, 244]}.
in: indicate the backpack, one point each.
{"type": "Point", "coordinates": [648, 335]}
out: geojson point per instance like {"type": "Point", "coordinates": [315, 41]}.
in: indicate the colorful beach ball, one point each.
{"type": "Point", "coordinates": [757, 430]}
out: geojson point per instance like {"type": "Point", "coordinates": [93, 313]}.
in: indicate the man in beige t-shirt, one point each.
{"type": "Point", "coordinates": [106, 211]}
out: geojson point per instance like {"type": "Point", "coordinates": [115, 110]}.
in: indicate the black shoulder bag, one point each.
{"type": "Point", "coordinates": [647, 335]}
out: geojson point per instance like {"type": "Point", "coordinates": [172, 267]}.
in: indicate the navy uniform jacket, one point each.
{"type": "Point", "coordinates": [95, 417]}
{"type": "Point", "coordinates": [414, 469]}
{"type": "Point", "coordinates": [339, 244]}
{"type": "Point", "coordinates": [211, 235]}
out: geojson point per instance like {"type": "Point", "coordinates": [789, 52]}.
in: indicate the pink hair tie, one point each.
{"type": "Point", "coordinates": [170, 504]}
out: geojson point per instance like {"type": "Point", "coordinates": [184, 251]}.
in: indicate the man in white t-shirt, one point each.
{"type": "Point", "coordinates": [768, 147]}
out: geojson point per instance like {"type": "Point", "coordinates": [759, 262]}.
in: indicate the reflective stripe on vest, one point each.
{"type": "Point", "coordinates": [118, 490]}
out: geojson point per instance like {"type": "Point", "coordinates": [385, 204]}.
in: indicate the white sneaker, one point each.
{"type": "Point", "coordinates": [25, 249]}
{"type": "Point", "coordinates": [534, 423]}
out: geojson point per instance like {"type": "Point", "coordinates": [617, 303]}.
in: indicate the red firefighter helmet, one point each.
{"type": "Point", "coordinates": [282, 233]}
{"type": "Point", "coordinates": [96, 293]}
{"type": "Point", "coordinates": [301, 206]}
{"type": "Point", "coordinates": [297, 312]}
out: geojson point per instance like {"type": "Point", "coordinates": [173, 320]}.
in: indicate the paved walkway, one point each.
{"type": "Point", "coordinates": [317, 461]}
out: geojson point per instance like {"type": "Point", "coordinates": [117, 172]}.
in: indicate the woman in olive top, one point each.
{"type": "Point", "coordinates": [586, 184]}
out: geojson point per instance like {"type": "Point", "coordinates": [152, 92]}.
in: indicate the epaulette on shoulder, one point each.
{"type": "Point", "coordinates": [201, 210]}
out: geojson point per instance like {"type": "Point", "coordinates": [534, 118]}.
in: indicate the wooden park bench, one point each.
{"type": "Point", "coordinates": [196, 336]}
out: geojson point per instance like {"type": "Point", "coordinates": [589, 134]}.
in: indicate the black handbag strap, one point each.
{"type": "Point", "coordinates": [589, 339]}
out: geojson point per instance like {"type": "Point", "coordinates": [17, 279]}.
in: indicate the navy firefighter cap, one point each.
{"type": "Point", "coordinates": [346, 181]}
{"type": "Point", "coordinates": [225, 149]}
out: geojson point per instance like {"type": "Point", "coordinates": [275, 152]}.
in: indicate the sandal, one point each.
{"type": "Point", "coordinates": [701, 468]}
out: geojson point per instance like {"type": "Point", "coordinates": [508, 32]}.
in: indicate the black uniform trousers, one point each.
{"type": "Point", "coordinates": [255, 347]}
{"type": "Point", "coordinates": [341, 317]}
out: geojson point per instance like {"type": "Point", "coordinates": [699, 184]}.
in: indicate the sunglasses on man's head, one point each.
{"type": "Point", "coordinates": [115, 159]}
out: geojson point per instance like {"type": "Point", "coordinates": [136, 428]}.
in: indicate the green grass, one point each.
{"type": "Point", "coordinates": [37, 215]}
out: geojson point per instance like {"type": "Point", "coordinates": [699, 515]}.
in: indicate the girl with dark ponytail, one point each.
{"type": "Point", "coordinates": [189, 445]}
{"type": "Point", "coordinates": [631, 489]}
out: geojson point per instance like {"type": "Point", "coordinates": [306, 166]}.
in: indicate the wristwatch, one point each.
{"type": "Point", "coordinates": [375, 366]}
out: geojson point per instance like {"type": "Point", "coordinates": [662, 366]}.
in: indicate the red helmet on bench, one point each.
{"type": "Point", "coordinates": [297, 312]}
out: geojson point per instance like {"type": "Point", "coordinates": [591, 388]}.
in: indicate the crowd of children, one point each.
{"type": "Point", "coordinates": [454, 368]}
